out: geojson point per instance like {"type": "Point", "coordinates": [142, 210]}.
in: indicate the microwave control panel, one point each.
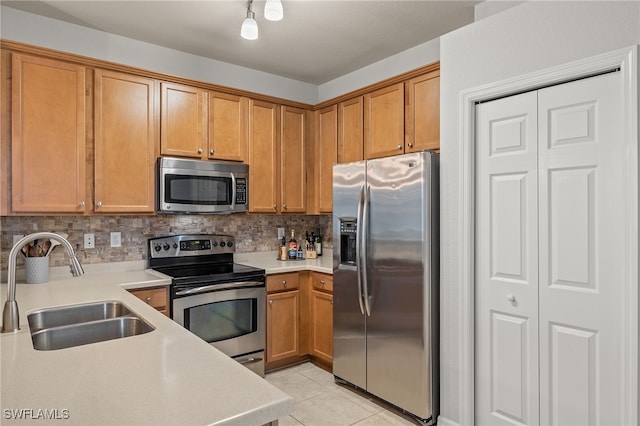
{"type": "Point", "coordinates": [241, 191]}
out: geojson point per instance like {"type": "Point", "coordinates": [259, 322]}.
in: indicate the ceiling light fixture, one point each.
{"type": "Point", "coordinates": [249, 29]}
{"type": "Point", "coordinates": [273, 10]}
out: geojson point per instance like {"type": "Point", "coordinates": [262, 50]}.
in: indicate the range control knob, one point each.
{"type": "Point", "coordinates": [166, 246]}
{"type": "Point", "coordinates": [229, 243]}
{"type": "Point", "coordinates": [215, 244]}
{"type": "Point", "coordinates": [222, 244]}
{"type": "Point", "coordinates": [175, 245]}
{"type": "Point", "coordinates": [157, 247]}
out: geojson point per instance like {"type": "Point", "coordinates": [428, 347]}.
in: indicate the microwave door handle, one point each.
{"type": "Point", "coordinates": [233, 191]}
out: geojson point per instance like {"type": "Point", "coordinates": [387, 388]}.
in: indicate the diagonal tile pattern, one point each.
{"type": "Point", "coordinates": [321, 402]}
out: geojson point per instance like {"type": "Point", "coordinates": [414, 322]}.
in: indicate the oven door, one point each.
{"type": "Point", "coordinates": [232, 320]}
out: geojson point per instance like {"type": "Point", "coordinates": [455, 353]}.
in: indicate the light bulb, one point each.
{"type": "Point", "coordinates": [273, 10]}
{"type": "Point", "coordinates": [249, 29]}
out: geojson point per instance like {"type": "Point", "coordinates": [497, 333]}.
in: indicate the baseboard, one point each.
{"type": "Point", "coordinates": [443, 421]}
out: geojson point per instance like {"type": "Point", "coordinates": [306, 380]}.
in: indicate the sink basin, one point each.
{"type": "Point", "coordinates": [68, 336]}
{"type": "Point", "coordinates": [76, 325]}
{"type": "Point", "coordinates": [75, 314]}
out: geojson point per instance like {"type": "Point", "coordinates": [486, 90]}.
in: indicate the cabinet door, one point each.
{"type": "Point", "coordinates": [48, 136]}
{"type": "Point", "coordinates": [322, 325]}
{"type": "Point", "coordinates": [327, 139]}
{"type": "Point", "coordinates": [350, 130]}
{"type": "Point", "coordinates": [384, 122]}
{"type": "Point", "coordinates": [263, 157]}
{"type": "Point", "coordinates": [292, 161]}
{"type": "Point", "coordinates": [283, 325]}
{"type": "Point", "coordinates": [422, 113]}
{"type": "Point", "coordinates": [183, 121]}
{"type": "Point", "coordinates": [227, 126]}
{"type": "Point", "coordinates": [126, 139]}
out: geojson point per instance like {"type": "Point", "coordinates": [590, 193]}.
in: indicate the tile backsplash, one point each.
{"type": "Point", "coordinates": [253, 233]}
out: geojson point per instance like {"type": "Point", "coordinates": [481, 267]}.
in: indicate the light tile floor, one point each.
{"type": "Point", "coordinates": [321, 402]}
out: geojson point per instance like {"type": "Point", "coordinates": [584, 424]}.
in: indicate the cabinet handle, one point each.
{"type": "Point", "coordinates": [284, 206]}
{"type": "Point", "coordinates": [275, 207]}
{"type": "Point", "coordinates": [410, 145]}
{"type": "Point", "coordinates": [284, 283]}
{"type": "Point", "coordinates": [199, 150]}
{"type": "Point", "coordinates": [81, 203]}
{"type": "Point", "coordinates": [322, 283]}
{"type": "Point", "coordinates": [99, 204]}
{"type": "Point", "coordinates": [148, 299]}
{"type": "Point", "coordinates": [211, 151]}
{"type": "Point", "coordinates": [332, 301]}
{"type": "Point", "coordinates": [271, 302]}
{"type": "Point", "coordinates": [399, 147]}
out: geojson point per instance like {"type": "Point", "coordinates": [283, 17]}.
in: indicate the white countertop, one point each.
{"type": "Point", "coordinates": [166, 377]}
{"type": "Point", "coordinates": [268, 262]}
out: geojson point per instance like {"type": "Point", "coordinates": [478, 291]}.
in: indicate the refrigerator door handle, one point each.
{"type": "Point", "coordinates": [358, 245]}
{"type": "Point", "coordinates": [364, 234]}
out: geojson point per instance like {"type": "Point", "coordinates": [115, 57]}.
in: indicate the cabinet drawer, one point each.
{"type": "Point", "coordinates": [157, 297]}
{"type": "Point", "coordinates": [322, 282]}
{"type": "Point", "coordinates": [280, 282]}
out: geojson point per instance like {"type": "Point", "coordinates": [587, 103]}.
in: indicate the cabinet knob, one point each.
{"type": "Point", "coordinates": [511, 298]}
{"type": "Point", "coordinates": [284, 283]}
{"type": "Point", "coordinates": [199, 150]}
{"type": "Point", "coordinates": [271, 302]}
{"type": "Point", "coordinates": [211, 151]}
{"type": "Point", "coordinates": [148, 299]}
{"type": "Point", "coordinates": [284, 205]}
{"type": "Point", "coordinates": [99, 204]}
{"type": "Point", "coordinates": [332, 301]}
{"type": "Point", "coordinates": [410, 145]}
{"type": "Point", "coordinates": [275, 207]}
{"type": "Point", "coordinates": [399, 147]}
{"type": "Point", "coordinates": [81, 203]}
{"type": "Point", "coordinates": [322, 283]}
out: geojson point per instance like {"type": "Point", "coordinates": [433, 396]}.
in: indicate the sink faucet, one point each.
{"type": "Point", "coordinates": [10, 317]}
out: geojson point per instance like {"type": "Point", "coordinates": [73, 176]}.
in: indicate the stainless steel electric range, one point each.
{"type": "Point", "coordinates": [220, 301]}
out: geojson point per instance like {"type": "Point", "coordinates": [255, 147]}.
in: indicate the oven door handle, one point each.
{"type": "Point", "coordinates": [223, 286]}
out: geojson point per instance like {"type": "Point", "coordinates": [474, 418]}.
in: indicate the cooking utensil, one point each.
{"type": "Point", "coordinates": [55, 243]}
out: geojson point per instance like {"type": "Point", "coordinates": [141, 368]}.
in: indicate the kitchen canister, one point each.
{"type": "Point", "coordinates": [36, 269]}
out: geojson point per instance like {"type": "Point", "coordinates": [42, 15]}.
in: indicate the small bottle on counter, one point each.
{"type": "Point", "coordinates": [284, 253]}
{"type": "Point", "coordinates": [293, 247]}
{"type": "Point", "coordinates": [319, 244]}
{"type": "Point", "coordinates": [300, 254]}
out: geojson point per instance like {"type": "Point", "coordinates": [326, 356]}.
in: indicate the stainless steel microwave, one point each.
{"type": "Point", "coordinates": [198, 186]}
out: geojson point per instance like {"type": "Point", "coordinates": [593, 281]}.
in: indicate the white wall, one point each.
{"type": "Point", "coordinates": [526, 38]}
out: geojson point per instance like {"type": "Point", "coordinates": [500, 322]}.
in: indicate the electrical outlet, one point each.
{"type": "Point", "coordinates": [116, 239]}
{"type": "Point", "coordinates": [280, 233]}
{"type": "Point", "coordinates": [89, 241]}
{"type": "Point", "coordinates": [16, 238]}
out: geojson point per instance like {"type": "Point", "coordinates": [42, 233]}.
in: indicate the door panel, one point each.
{"type": "Point", "coordinates": [582, 235]}
{"type": "Point", "coordinates": [506, 262]}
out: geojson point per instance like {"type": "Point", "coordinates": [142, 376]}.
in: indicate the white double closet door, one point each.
{"type": "Point", "coordinates": [550, 256]}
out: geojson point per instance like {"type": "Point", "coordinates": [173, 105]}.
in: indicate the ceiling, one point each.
{"type": "Point", "coordinates": [317, 41]}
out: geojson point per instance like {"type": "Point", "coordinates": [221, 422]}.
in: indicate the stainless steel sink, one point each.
{"type": "Point", "coordinates": [76, 325]}
{"type": "Point", "coordinates": [75, 314]}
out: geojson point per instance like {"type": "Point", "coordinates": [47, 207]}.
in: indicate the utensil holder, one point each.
{"type": "Point", "coordinates": [36, 269]}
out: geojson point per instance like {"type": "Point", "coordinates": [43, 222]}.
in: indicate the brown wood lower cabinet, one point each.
{"type": "Point", "coordinates": [158, 297]}
{"type": "Point", "coordinates": [299, 318]}
{"type": "Point", "coordinates": [283, 336]}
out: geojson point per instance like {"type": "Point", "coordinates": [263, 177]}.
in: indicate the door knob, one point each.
{"type": "Point", "coordinates": [511, 298]}
{"type": "Point", "coordinates": [211, 151]}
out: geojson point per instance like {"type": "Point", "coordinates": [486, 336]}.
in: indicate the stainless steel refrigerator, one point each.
{"type": "Point", "coordinates": [386, 277]}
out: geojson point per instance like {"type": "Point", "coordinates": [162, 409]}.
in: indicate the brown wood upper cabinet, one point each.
{"type": "Point", "coordinates": [126, 141]}
{"type": "Point", "coordinates": [277, 144]}
{"type": "Point", "coordinates": [403, 117]}
{"type": "Point", "coordinates": [384, 122]}
{"type": "Point", "coordinates": [326, 154]}
{"type": "Point", "coordinates": [350, 130]}
{"type": "Point", "coordinates": [203, 124]}
{"type": "Point", "coordinates": [48, 136]}
{"type": "Point", "coordinates": [422, 112]}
